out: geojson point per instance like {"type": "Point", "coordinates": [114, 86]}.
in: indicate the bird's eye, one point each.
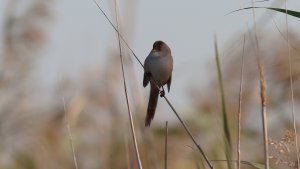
{"type": "Point", "coordinates": [155, 45]}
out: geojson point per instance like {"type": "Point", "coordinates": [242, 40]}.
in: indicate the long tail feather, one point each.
{"type": "Point", "coordinates": [154, 91]}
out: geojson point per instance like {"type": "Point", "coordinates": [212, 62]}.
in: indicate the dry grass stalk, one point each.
{"type": "Point", "coordinates": [166, 146]}
{"type": "Point", "coordinates": [126, 94]}
{"type": "Point", "coordinates": [262, 92]}
{"type": "Point", "coordinates": [240, 109]}
{"type": "Point", "coordinates": [263, 96]}
{"type": "Point", "coordinates": [291, 85]}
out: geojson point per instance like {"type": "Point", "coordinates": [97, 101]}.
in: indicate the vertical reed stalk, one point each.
{"type": "Point", "coordinates": [262, 93]}
{"type": "Point", "coordinates": [166, 146]}
{"type": "Point", "coordinates": [126, 94]}
{"type": "Point", "coordinates": [264, 112]}
{"type": "Point", "coordinates": [240, 109]}
{"type": "Point", "coordinates": [291, 84]}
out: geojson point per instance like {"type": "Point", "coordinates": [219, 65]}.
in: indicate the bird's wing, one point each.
{"type": "Point", "coordinates": [147, 76]}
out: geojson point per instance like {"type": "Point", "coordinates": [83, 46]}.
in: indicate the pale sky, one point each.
{"type": "Point", "coordinates": [80, 35]}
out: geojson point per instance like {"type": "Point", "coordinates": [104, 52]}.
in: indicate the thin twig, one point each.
{"type": "Point", "coordinates": [126, 94]}
{"type": "Point", "coordinates": [240, 109]}
{"type": "Point", "coordinates": [291, 85]}
{"type": "Point", "coordinates": [166, 146]}
{"type": "Point", "coordinates": [263, 93]}
{"type": "Point", "coordinates": [171, 106]}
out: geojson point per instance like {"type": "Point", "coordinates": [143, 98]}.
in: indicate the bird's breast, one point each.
{"type": "Point", "coordinates": [160, 68]}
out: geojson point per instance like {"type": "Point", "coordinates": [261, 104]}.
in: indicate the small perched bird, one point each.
{"type": "Point", "coordinates": [158, 69]}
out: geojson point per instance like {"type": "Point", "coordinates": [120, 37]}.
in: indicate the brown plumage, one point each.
{"type": "Point", "coordinates": [151, 105]}
{"type": "Point", "coordinates": [158, 69]}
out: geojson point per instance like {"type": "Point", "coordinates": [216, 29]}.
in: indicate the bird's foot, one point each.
{"type": "Point", "coordinates": [162, 93]}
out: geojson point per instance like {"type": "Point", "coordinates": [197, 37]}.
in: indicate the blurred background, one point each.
{"type": "Point", "coordinates": [60, 65]}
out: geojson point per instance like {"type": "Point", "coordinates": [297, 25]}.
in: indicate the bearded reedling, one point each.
{"type": "Point", "coordinates": [158, 69]}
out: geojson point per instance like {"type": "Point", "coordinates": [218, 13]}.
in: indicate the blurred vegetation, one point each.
{"type": "Point", "coordinates": [273, 49]}
{"type": "Point", "coordinates": [33, 133]}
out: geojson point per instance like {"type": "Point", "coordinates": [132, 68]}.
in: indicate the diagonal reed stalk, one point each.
{"type": "Point", "coordinates": [291, 84]}
{"type": "Point", "coordinates": [126, 94]}
{"type": "Point", "coordinates": [262, 93]}
{"type": "Point", "coordinates": [189, 133]}
{"type": "Point", "coordinates": [167, 100]}
{"type": "Point", "coordinates": [121, 37]}
{"type": "Point", "coordinates": [240, 108]}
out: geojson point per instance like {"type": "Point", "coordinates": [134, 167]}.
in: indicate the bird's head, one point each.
{"type": "Point", "coordinates": [160, 46]}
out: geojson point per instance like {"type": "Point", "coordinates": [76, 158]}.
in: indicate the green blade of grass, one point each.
{"type": "Point", "coordinates": [227, 138]}
{"type": "Point", "coordinates": [221, 85]}
{"type": "Point", "coordinates": [289, 12]}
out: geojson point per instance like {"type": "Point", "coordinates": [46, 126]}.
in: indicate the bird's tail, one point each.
{"type": "Point", "coordinates": [154, 91]}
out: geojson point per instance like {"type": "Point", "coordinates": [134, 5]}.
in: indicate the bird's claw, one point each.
{"type": "Point", "coordinates": [162, 93]}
